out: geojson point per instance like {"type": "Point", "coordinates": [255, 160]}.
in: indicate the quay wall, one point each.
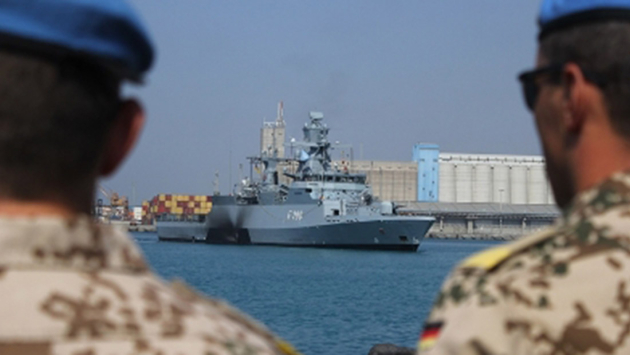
{"type": "Point", "coordinates": [483, 221]}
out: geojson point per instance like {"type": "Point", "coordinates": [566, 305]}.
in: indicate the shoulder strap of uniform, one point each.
{"type": "Point", "coordinates": [491, 258]}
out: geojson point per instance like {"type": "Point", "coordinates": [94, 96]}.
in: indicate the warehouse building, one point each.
{"type": "Point", "coordinates": [390, 180]}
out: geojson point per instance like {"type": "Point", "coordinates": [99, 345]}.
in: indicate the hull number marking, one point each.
{"type": "Point", "coordinates": [295, 215]}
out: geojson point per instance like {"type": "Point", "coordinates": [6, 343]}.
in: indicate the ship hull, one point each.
{"type": "Point", "coordinates": [395, 233]}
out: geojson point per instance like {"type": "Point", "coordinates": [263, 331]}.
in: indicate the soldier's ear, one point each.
{"type": "Point", "coordinates": [580, 99]}
{"type": "Point", "coordinates": [123, 135]}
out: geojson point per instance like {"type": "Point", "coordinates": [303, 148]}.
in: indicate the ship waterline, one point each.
{"type": "Point", "coordinates": [393, 233]}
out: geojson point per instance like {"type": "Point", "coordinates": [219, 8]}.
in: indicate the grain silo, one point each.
{"type": "Point", "coordinates": [518, 184]}
{"type": "Point", "coordinates": [538, 186]}
{"type": "Point", "coordinates": [483, 178]}
{"type": "Point", "coordinates": [500, 182]}
{"type": "Point", "coordinates": [482, 183]}
{"type": "Point", "coordinates": [463, 182]}
{"type": "Point", "coordinates": [447, 182]}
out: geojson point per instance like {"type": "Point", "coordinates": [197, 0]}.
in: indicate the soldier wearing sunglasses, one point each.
{"type": "Point", "coordinates": [565, 290]}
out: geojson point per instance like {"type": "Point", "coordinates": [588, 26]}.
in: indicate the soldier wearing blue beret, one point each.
{"type": "Point", "coordinates": [565, 290]}
{"type": "Point", "coordinates": [68, 285]}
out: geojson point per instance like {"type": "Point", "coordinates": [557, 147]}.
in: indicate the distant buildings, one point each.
{"type": "Point", "coordinates": [433, 176]}
{"type": "Point", "coordinates": [272, 135]}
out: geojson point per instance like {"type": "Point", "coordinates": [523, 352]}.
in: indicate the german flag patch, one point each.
{"type": "Point", "coordinates": [429, 335]}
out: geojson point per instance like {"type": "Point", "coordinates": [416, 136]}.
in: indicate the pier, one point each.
{"type": "Point", "coordinates": [482, 221]}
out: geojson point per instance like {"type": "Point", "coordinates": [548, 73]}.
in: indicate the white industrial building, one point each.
{"type": "Point", "coordinates": [433, 176]}
{"type": "Point", "coordinates": [513, 179]}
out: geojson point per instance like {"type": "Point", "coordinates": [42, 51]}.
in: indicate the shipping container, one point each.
{"type": "Point", "coordinates": [176, 204]}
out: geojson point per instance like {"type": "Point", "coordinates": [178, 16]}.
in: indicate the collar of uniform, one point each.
{"type": "Point", "coordinates": [57, 243]}
{"type": "Point", "coordinates": [611, 193]}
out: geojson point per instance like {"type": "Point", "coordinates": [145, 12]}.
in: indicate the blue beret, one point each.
{"type": "Point", "coordinates": [106, 32]}
{"type": "Point", "coordinates": [562, 14]}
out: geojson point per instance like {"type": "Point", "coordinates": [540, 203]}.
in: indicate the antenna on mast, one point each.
{"type": "Point", "coordinates": [216, 184]}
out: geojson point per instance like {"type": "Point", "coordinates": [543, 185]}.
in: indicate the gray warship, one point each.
{"type": "Point", "coordinates": [322, 206]}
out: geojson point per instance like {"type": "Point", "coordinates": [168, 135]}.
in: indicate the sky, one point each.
{"type": "Point", "coordinates": [386, 75]}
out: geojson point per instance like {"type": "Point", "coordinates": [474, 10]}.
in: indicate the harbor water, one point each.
{"type": "Point", "coordinates": [322, 301]}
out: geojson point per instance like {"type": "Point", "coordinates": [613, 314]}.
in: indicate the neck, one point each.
{"type": "Point", "coordinates": [597, 160]}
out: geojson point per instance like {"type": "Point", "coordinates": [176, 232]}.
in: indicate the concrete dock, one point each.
{"type": "Point", "coordinates": [482, 221]}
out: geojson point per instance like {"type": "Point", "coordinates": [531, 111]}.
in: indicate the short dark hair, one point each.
{"type": "Point", "coordinates": [604, 49]}
{"type": "Point", "coordinates": [54, 117]}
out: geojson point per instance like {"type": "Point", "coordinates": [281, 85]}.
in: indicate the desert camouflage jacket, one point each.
{"type": "Point", "coordinates": [74, 287]}
{"type": "Point", "coordinates": [563, 291]}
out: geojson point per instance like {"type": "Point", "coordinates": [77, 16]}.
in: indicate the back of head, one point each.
{"type": "Point", "coordinates": [61, 66]}
{"type": "Point", "coordinates": [53, 119]}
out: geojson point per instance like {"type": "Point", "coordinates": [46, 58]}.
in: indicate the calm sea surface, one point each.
{"type": "Point", "coordinates": [322, 301]}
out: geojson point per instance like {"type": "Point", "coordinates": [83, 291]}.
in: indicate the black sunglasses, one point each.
{"type": "Point", "coordinates": [531, 88]}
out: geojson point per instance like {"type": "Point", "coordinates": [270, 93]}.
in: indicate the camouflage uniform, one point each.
{"type": "Point", "coordinates": [74, 287]}
{"type": "Point", "coordinates": [563, 291]}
